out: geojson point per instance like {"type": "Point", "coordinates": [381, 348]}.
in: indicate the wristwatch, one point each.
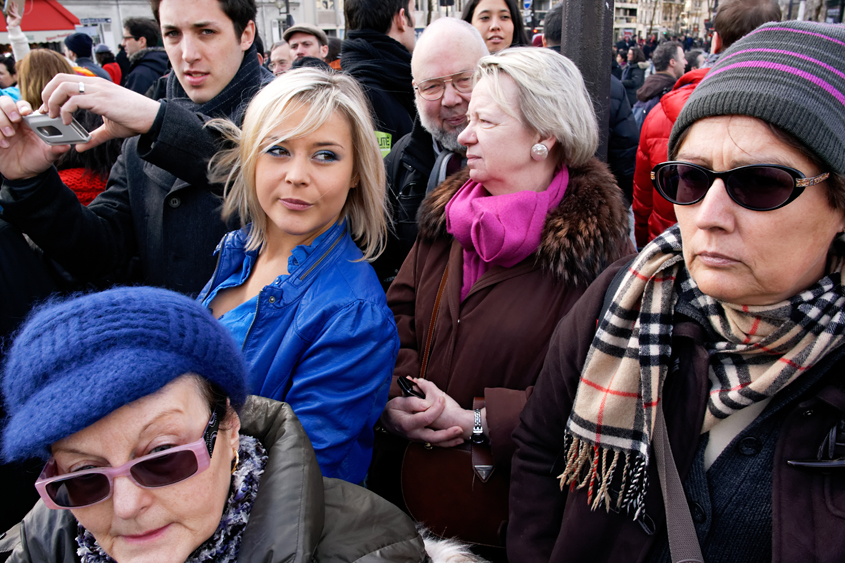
{"type": "Point", "coordinates": [477, 430]}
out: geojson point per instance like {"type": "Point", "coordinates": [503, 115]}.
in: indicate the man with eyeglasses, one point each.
{"type": "Point", "coordinates": [280, 58]}
{"type": "Point", "coordinates": [147, 59]}
{"type": "Point", "coordinates": [442, 65]}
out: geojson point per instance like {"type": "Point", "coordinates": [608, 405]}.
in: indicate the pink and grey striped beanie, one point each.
{"type": "Point", "coordinates": [790, 74]}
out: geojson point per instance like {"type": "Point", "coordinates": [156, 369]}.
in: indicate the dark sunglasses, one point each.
{"type": "Point", "coordinates": [160, 469]}
{"type": "Point", "coordinates": [759, 187]}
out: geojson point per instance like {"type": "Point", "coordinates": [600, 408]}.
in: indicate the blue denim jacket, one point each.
{"type": "Point", "coordinates": [324, 341]}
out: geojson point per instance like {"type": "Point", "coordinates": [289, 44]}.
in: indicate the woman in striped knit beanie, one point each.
{"type": "Point", "coordinates": [731, 323]}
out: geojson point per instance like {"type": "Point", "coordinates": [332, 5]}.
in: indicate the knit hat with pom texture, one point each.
{"type": "Point", "coordinates": [790, 74]}
{"type": "Point", "coordinates": [76, 361]}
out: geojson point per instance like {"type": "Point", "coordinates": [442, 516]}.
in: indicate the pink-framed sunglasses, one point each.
{"type": "Point", "coordinates": [160, 469]}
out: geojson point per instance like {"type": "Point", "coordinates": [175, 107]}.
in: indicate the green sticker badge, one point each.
{"type": "Point", "coordinates": [385, 142]}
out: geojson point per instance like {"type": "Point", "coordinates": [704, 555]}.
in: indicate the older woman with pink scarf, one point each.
{"type": "Point", "coordinates": [504, 250]}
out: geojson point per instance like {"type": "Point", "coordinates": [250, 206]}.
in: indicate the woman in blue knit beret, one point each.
{"type": "Point", "coordinates": [137, 400]}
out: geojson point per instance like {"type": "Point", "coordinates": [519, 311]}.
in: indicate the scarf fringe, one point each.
{"type": "Point", "coordinates": [594, 467]}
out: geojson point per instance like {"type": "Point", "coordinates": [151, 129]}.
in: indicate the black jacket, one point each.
{"type": "Point", "coordinates": [623, 140]}
{"type": "Point", "coordinates": [147, 66]}
{"type": "Point", "coordinates": [633, 76]}
{"type": "Point", "coordinates": [408, 167]}
{"type": "Point", "coordinates": [158, 222]}
{"type": "Point", "coordinates": [382, 66]}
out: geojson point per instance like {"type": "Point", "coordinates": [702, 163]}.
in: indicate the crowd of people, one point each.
{"type": "Point", "coordinates": [379, 299]}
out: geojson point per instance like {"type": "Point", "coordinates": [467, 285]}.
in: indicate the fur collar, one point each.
{"type": "Point", "coordinates": [587, 232]}
{"type": "Point", "coordinates": [138, 55]}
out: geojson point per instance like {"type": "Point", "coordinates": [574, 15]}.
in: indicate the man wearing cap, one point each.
{"type": "Point", "coordinates": [158, 221]}
{"type": "Point", "coordinates": [78, 48]}
{"type": "Point", "coordinates": [307, 41]}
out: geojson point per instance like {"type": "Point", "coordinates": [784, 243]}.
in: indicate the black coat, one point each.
{"type": "Point", "coordinates": [623, 140]}
{"type": "Point", "coordinates": [382, 66]}
{"type": "Point", "coordinates": [632, 78]}
{"type": "Point", "coordinates": [147, 66]}
{"type": "Point", "coordinates": [158, 222]}
{"type": "Point", "coordinates": [408, 168]}
{"type": "Point", "coordinates": [24, 280]}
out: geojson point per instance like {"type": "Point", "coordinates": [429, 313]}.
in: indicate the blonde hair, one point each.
{"type": "Point", "coordinates": [552, 100]}
{"type": "Point", "coordinates": [35, 70]}
{"type": "Point", "coordinates": [322, 94]}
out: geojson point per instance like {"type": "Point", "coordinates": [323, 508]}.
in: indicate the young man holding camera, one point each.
{"type": "Point", "coordinates": [158, 221]}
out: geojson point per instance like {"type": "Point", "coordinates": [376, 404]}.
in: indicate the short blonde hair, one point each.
{"type": "Point", "coordinates": [323, 94]}
{"type": "Point", "coordinates": [552, 100]}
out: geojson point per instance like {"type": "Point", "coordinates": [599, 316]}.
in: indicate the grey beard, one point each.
{"type": "Point", "coordinates": [449, 141]}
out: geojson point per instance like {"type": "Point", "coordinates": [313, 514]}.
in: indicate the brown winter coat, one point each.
{"type": "Point", "coordinates": [547, 524]}
{"type": "Point", "coordinates": [493, 344]}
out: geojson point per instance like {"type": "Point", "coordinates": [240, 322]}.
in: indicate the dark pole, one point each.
{"type": "Point", "coordinates": [586, 40]}
{"type": "Point", "coordinates": [789, 13]}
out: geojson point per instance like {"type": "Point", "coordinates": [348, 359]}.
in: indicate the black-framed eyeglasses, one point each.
{"type": "Point", "coordinates": [759, 187]}
{"type": "Point", "coordinates": [128, 37]}
{"type": "Point", "coordinates": [434, 88]}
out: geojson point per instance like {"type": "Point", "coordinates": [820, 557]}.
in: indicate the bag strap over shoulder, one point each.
{"type": "Point", "coordinates": [429, 337]}
{"type": "Point", "coordinates": [610, 293]}
{"type": "Point", "coordinates": [683, 540]}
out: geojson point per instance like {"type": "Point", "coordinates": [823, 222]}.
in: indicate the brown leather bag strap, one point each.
{"type": "Point", "coordinates": [430, 336]}
{"type": "Point", "coordinates": [482, 456]}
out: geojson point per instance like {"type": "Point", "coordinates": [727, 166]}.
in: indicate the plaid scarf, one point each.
{"type": "Point", "coordinates": [756, 352]}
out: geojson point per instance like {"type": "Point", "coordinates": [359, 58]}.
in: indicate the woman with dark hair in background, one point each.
{"type": "Point", "coordinates": [8, 78]}
{"type": "Point", "coordinates": [8, 75]}
{"type": "Point", "coordinates": [633, 75]}
{"type": "Point", "coordinates": [498, 21]}
{"type": "Point", "coordinates": [105, 58]}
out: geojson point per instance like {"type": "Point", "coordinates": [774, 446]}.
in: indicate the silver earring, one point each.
{"type": "Point", "coordinates": [539, 152]}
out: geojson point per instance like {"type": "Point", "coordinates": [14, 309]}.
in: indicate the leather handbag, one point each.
{"type": "Point", "coordinates": [444, 491]}
{"type": "Point", "coordinates": [455, 492]}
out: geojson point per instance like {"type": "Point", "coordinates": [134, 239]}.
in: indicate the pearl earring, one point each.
{"type": "Point", "coordinates": [539, 152]}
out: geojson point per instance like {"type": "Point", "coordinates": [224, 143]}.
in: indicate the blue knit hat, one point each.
{"type": "Point", "coordinates": [76, 361]}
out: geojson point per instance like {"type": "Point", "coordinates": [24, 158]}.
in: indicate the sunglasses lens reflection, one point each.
{"type": "Point", "coordinates": [761, 187]}
{"type": "Point", "coordinates": [165, 470]}
{"type": "Point", "coordinates": [683, 184]}
{"type": "Point", "coordinates": [79, 491]}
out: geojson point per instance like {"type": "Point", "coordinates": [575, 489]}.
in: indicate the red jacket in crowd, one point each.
{"type": "Point", "coordinates": [652, 213]}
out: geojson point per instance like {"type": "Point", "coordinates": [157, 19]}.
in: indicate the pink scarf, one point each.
{"type": "Point", "coordinates": [499, 230]}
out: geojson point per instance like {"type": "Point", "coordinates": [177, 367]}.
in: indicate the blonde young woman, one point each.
{"type": "Point", "coordinates": [292, 286]}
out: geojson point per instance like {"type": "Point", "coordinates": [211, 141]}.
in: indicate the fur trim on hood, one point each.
{"type": "Point", "coordinates": [138, 55]}
{"type": "Point", "coordinates": [587, 231]}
